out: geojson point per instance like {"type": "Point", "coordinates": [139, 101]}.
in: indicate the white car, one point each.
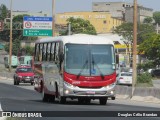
{"type": "Point", "coordinates": [125, 78]}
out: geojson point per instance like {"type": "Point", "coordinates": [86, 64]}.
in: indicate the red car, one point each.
{"type": "Point", "coordinates": [23, 74]}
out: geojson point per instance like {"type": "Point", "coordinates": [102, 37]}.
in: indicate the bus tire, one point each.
{"type": "Point", "coordinates": [87, 101]}
{"type": "Point", "coordinates": [103, 101]}
{"type": "Point", "coordinates": [31, 83]}
{"type": "Point", "coordinates": [52, 98]}
{"type": "Point", "coordinates": [80, 100]}
{"type": "Point", "coordinates": [15, 82]}
{"type": "Point", "coordinates": [56, 90]}
{"type": "Point", "coordinates": [44, 96]}
{"type": "Point", "coordinates": [62, 100]}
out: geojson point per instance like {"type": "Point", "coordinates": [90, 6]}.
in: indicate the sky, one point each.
{"type": "Point", "coordinates": [68, 5]}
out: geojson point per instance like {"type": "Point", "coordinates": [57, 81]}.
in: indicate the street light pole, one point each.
{"type": "Point", "coordinates": [134, 47]}
{"type": "Point", "coordinates": [53, 17]}
{"type": "Point", "coordinates": [10, 42]}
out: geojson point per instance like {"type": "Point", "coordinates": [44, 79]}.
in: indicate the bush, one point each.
{"type": "Point", "coordinates": [144, 78]}
{"type": "Point", "coordinates": [145, 66]}
{"type": "Point", "coordinates": [15, 47]}
{"type": "Point", "coordinates": [29, 50]}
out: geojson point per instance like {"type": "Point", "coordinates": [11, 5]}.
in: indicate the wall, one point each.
{"type": "Point", "coordinates": [103, 22]}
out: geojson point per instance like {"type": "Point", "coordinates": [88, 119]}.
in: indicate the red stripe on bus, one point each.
{"type": "Point", "coordinates": [90, 81]}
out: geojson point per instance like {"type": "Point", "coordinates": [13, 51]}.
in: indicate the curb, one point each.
{"type": "Point", "coordinates": [146, 94]}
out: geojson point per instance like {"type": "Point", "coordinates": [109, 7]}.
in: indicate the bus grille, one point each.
{"type": "Point", "coordinates": [89, 87]}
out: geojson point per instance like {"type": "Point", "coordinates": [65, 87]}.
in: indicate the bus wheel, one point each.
{"type": "Point", "coordinates": [62, 100]}
{"type": "Point", "coordinates": [103, 101]}
{"type": "Point", "coordinates": [44, 96]}
{"type": "Point", "coordinates": [80, 100]}
{"type": "Point", "coordinates": [15, 82]}
{"type": "Point", "coordinates": [32, 83]}
{"type": "Point", "coordinates": [87, 101]}
{"type": "Point", "coordinates": [52, 98]}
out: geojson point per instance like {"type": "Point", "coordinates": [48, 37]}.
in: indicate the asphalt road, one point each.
{"type": "Point", "coordinates": [24, 98]}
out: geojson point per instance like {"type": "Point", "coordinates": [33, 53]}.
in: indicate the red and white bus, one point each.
{"type": "Point", "coordinates": [78, 67]}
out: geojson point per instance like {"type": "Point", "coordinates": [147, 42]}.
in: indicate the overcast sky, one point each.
{"type": "Point", "coordinates": [69, 5]}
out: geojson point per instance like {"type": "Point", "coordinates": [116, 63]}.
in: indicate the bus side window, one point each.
{"type": "Point", "coordinates": [48, 51]}
{"type": "Point", "coordinates": [37, 52]}
{"type": "Point", "coordinates": [40, 53]}
{"type": "Point", "coordinates": [57, 53]}
{"type": "Point", "coordinates": [44, 51]}
{"type": "Point", "coordinates": [52, 52]}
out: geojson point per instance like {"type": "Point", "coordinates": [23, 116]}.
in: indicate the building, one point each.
{"type": "Point", "coordinates": [122, 10]}
{"type": "Point", "coordinates": [116, 9]}
{"type": "Point", "coordinates": [102, 21]}
{"type": "Point", "coordinates": [36, 14]}
{"type": "Point", "coordinates": [142, 13]}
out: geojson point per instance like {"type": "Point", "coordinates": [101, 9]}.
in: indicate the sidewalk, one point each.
{"type": "Point", "coordinates": [156, 83]}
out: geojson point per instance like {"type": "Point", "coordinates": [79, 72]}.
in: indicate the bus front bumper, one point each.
{"type": "Point", "coordinates": [75, 91]}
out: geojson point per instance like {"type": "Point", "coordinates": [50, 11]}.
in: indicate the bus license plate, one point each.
{"type": "Point", "coordinates": [27, 79]}
{"type": "Point", "coordinates": [90, 92]}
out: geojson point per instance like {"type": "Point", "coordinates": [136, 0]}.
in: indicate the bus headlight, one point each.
{"type": "Point", "coordinates": [112, 92]}
{"type": "Point", "coordinates": [20, 76]}
{"type": "Point", "coordinates": [66, 91]}
{"type": "Point", "coordinates": [110, 86]}
{"type": "Point", "coordinates": [69, 85]}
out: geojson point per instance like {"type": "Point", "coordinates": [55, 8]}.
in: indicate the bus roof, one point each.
{"type": "Point", "coordinates": [78, 39]}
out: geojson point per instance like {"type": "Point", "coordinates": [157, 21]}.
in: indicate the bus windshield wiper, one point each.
{"type": "Point", "coordinates": [93, 63]}
{"type": "Point", "coordinates": [82, 69]}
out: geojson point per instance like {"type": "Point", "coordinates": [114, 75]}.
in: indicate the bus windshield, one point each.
{"type": "Point", "coordinates": [89, 60]}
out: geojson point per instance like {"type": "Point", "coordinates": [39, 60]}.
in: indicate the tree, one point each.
{"type": "Point", "coordinates": [143, 31]}
{"type": "Point", "coordinates": [3, 13]}
{"type": "Point", "coordinates": [15, 47]}
{"type": "Point", "coordinates": [17, 35]}
{"type": "Point", "coordinates": [148, 20]}
{"type": "Point", "coordinates": [80, 26]}
{"type": "Point", "coordinates": [29, 50]}
{"type": "Point", "coordinates": [156, 16]}
{"type": "Point", "coordinates": [126, 31]}
{"type": "Point", "coordinates": [151, 47]}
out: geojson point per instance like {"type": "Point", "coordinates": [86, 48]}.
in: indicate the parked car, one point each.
{"type": "Point", "coordinates": [23, 74]}
{"type": "Point", "coordinates": [155, 73]}
{"type": "Point", "coordinates": [125, 78]}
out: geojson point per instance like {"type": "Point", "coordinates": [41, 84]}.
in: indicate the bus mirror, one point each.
{"type": "Point", "coordinates": [117, 59]}
{"type": "Point", "coordinates": [61, 57]}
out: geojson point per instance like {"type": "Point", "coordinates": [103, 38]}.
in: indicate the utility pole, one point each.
{"type": "Point", "coordinates": [69, 28]}
{"type": "Point", "coordinates": [157, 28]}
{"type": "Point", "coordinates": [10, 42]}
{"type": "Point", "coordinates": [134, 47]}
{"type": "Point", "coordinates": [53, 18]}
